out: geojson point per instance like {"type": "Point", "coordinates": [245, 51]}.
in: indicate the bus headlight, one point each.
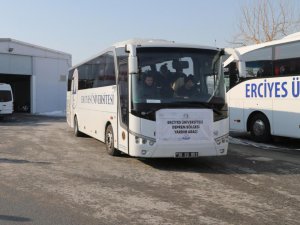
{"type": "Point", "coordinates": [137, 140]}
{"type": "Point", "coordinates": [143, 140]}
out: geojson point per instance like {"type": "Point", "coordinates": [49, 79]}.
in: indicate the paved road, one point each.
{"type": "Point", "coordinates": [50, 177]}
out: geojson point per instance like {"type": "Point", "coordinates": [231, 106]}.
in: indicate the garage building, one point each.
{"type": "Point", "coordinates": [37, 75]}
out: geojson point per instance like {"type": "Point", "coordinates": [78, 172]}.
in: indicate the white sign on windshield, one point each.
{"type": "Point", "coordinates": [191, 125]}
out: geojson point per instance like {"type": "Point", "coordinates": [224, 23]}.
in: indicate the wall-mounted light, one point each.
{"type": "Point", "coordinates": [10, 49]}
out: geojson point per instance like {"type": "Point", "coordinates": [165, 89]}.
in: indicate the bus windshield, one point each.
{"type": "Point", "coordinates": [184, 77]}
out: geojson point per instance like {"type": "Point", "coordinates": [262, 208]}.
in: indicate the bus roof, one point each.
{"type": "Point", "coordinates": [245, 49]}
{"type": "Point", "coordinates": [287, 39]}
{"type": "Point", "coordinates": [160, 43]}
{"type": "Point", "coordinates": [148, 43]}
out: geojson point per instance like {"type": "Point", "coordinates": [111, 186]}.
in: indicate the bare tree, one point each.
{"type": "Point", "coordinates": [265, 20]}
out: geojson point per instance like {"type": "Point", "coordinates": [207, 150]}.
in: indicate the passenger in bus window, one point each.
{"type": "Point", "coordinates": [260, 72]}
{"type": "Point", "coordinates": [164, 82]}
{"type": "Point", "coordinates": [164, 79]}
{"type": "Point", "coordinates": [189, 88]}
{"type": "Point", "coordinates": [282, 70]}
{"type": "Point", "coordinates": [276, 70]}
{"type": "Point", "coordinates": [148, 89]}
{"type": "Point", "coordinates": [178, 67]}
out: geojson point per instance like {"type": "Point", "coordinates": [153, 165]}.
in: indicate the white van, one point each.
{"type": "Point", "coordinates": [6, 100]}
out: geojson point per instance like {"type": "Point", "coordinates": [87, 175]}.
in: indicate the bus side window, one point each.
{"type": "Point", "coordinates": [260, 68]}
{"type": "Point", "coordinates": [287, 58]}
{"type": "Point", "coordinates": [287, 67]}
{"type": "Point", "coordinates": [82, 77]}
{"type": "Point", "coordinates": [110, 77]}
{"type": "Point", "coordinates": [98, 72]}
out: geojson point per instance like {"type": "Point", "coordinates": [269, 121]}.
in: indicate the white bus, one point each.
{"type": "Point", "coordinates": [108, 100]}
{"type": "Point", "coordinates": [6, 100]}
{"type": "Point", "coordinates": [264, 88]}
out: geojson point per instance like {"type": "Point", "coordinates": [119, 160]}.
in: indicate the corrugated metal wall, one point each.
{"type": "Point", "coordinates": [15, 64]}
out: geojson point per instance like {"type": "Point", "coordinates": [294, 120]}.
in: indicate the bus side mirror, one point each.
{"type": "Point", "coordinates": [132, 65]}
{"type": "Point", "coordinates": [222, 51]}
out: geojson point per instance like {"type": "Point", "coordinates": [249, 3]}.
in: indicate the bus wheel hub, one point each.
{"type": "Point", "coordinates": [259, 127]}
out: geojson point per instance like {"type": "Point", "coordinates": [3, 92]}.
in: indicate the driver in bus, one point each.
{"type": "Point", "coordinates": [148, 90]}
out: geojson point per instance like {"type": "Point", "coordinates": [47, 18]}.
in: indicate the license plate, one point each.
{"type": "Point", "coordinates": [186, 154]}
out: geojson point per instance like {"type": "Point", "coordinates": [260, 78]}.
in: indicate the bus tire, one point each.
{"type": "Point", "coordinates": [260, 128]}
{"type": "Point", "coordinates": [110, 141]}
{"type": "Point", "coordinates": [76, 128]}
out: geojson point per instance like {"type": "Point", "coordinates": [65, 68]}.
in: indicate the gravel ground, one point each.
{"type": "Point", "coordinates": [48, 176]}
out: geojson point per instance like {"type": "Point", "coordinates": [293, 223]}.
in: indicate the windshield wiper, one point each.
{"type": "Point", "coordinates": [154, 109]}
{"type": "Point", "coordinates": [179, 104]}
{"type": "Point", "coordinates": [205, 104]}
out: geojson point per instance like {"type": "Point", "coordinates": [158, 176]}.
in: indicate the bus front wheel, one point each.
{"type": "Point", "coordinates": [110, 142]}
{"type": "Point", "coordinates": [260, 128]}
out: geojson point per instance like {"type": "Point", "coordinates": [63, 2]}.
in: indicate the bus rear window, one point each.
{"type": "Point", "coordinates": [5, 96]}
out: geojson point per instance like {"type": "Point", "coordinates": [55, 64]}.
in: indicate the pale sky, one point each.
{"type": "Point", "coordinates": [85, 27]}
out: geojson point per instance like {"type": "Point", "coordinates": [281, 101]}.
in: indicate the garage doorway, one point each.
{"type": "Point", "coordinates": [20, 85]}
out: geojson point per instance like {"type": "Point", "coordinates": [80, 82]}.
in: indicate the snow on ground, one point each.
{"type": "Point", "coordinates": [239, 141]}
{"type": "Point", "coordinates": [234, 140]}
{"type": "Point", "coordinates": [261, 159]}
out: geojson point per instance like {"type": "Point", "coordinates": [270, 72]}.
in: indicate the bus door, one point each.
{"type": "Point", "coordinates": [235, 99]}
{"type": "Point", "coordinates": [123, 131]}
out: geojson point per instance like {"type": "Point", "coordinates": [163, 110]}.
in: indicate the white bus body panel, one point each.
{"type": "Point", "coordinates": [68, 109]}
{"type": "Point", "coordinates": [6, 107]}
{"type": "Point", "coordinates": [95, 108]}
{"type": "Point", "coordinates": [281, 105]}
{"type": "Point", "coordinates": [170, 143]}
{"type": "Point", "coordinates": [286, 111]}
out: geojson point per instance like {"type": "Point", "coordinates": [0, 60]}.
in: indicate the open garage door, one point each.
{"type": "Point", "coordinates": [16, 70]}
{"type": "Point", "coordinates": [20, 85]}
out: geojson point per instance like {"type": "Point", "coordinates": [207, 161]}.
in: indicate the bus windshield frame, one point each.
{"type": "Point", "coordinates": [168, 67]}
